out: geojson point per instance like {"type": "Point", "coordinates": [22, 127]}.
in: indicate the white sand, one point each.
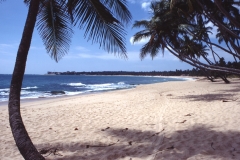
{"type": "Point", "coordinates": [173, 121]}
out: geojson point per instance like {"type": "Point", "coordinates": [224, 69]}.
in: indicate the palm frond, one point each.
{"type": "Point", "coordinates": [99, 23]}
{"type": "Point", "coordinates": [54, 28]}
{"type": "Point", "coordinates": [145, 50]}
{"type": "Point", "coordinates": [152, 47]}
{"type": "Point", "coordinates": [141, 35]}
{"type": "Point", "coordinates": [27, 2]}
{"type": "Point", "coordinates": [119, 9]}
{"type": "Point", "coordinates": [142, 23]}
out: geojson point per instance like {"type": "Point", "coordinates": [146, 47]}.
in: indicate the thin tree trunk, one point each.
{"type": "Point", "coordinates": [230, 50]}
{"type": "Point", "coordinates": [221, 48]}
{"type": "Point", "coordinates": [22, 139]}
{"type": "Point", "coordinates": [234, 46]}
{"type": "Point", "coordinates": [213, 44]}
{"type": "Point", "coordinates": [221, 75]}
{"type": "Point", "coordinates": [198, 64]}
{"type": "Point", "coordinates": [231, 19]}
{"type": "Point", "coordinates": [215, 21]}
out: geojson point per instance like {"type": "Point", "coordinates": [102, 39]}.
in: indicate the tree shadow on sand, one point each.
{"type": "Point", "coordinates": [207, 97]}
{"type": "Point", "coordinates": [197, 141]}
{"type": "Point", "coordinates": [236, 90]}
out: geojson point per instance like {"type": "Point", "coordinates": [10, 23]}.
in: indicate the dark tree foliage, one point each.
{"type": "Point", "coordinates": [183, 28]}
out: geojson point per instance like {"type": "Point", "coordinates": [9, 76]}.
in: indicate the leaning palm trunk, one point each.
{"type": "Point", "coordinates": [227, 14]}
{"type": "Point", "coordinates": [215, 21]}
{"type": "Point", "coordinates": [201, 65]}
{"type": "Point", "coordinates": [19, 132]}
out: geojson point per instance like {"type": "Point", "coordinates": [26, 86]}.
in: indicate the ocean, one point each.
{"type": "Point", "coordinates": [44, 86]}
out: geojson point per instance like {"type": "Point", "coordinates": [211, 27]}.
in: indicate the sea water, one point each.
{"type": "Point", "coordinates": [43, 86]}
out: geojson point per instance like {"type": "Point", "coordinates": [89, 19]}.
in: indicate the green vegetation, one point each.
{"type": "Point", "coordinates": [183, 28]}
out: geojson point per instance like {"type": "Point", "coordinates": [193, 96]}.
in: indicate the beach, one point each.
{"type": "Point", "coordinates": [163, 121]}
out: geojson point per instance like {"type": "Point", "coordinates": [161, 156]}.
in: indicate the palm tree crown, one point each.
{"type": "Point", "coordinates": [102, 20]}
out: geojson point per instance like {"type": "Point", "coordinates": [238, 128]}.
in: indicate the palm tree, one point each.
{"type": "Point", "coordinates": [180, 27]}
{"type": "Point", "coordinates": [103, 21]}
{"type": "Point", "coordinates": [159, 29]}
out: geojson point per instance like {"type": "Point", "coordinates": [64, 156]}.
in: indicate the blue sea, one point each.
{"type": "Point", "coordinates": [44, 86]}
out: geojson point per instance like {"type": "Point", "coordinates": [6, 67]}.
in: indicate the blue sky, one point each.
{"type": "Point", "coordinates": [82, 56]}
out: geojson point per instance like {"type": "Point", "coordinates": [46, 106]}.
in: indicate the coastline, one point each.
{"type": "Point", "coordinates": [3, 104]}
{"type": "Point", "coordinates": [182, 78]}
{"type": "Point", "coordinates": [170, 120]}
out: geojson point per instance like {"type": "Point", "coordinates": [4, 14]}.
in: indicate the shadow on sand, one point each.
{"type": "Point", "coordinates": [207, 97]}
{"type": "Point", "coordinates": [197, 141]}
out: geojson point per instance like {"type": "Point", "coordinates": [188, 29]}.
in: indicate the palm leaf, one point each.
{"type": "Point", "coordinates": [99, 23]}
{"type": "Point", "coordinates": [145, 50]}
{"type": "Point", "coordinates": [27, 1]}
{"type": "Point", "coordinates": [141, 35]}
{"type": "Point", "coordinates": [152, 47]}
{"type": "Point", "coordinates": [142, 23]}
{"type": "Point", "coordinates": [119, 8]}
{"type": "Point", "coordinates": [54, 28]}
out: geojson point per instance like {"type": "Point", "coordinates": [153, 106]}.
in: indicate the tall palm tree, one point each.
{"type": "Point", "coordinates": [159, 29]}
{"type": "Point", "coordinates": [103, 21]}
{"type": "Point", "coordinates": [178, 27]}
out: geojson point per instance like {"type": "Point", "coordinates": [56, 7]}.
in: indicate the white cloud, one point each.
{"type": "Point", "coordinates": [145, 6]}
{"type": "Point", "coordinates": [144, 3]}
{"type": "Point", "coordinates": [3, 45]}
{"type": "Point", "coordinates": [7, 49]}
{"type": "Point", "coordinates": [214, 30]}
{"type": "Point", "coordinates": [139, 1]}
{"type": "Point", "coordinates": [80, 48]}
{"type": "Point", "coordinates": [103, 56]}
{"type": "Point", "coordinates": [142, 41]}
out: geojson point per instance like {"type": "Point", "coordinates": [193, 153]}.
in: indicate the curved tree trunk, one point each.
{"type": "Point", "coordinates": [215, 21]}
{"type": "Point", "coordinates": [23, 141]}
{"type": "Point", "coordinates": [220, 47]}
{"type": "Point", "coordinates": [198, 64]}
{"type": "Point", "coordinates": [231, 19]}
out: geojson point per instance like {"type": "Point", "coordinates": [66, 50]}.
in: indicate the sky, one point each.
{"type": "Point", "coordinates": [83, 55]}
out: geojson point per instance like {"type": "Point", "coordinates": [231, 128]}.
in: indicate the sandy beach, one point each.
{"type": "Point", "coordinates": [164, 121]}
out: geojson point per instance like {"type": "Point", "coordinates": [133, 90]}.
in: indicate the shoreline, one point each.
{"type": "Point", "coordinates": [170, 120]}
{"type": "Point", "coordinates": [63, 97]}
{"type": "Point", "coordinates": [25, 100]}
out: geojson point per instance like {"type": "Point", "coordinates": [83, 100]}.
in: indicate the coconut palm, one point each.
{"type": "Point", "coordinates": [103, 21]}
{"type": "Point", "coordinates": [160, 29]}
{"type": "Point", "coordinates": [179, 27]}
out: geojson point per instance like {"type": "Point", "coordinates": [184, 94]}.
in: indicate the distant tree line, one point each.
{"type": "Point", "coordinates": [211, 75]}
